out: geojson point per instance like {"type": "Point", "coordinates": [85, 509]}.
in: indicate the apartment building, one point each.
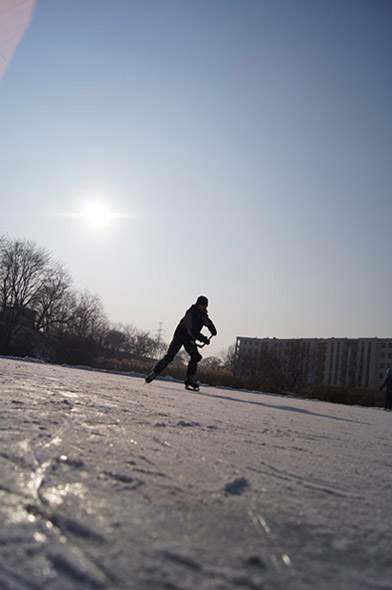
{"type": "Point", "coordinates": [349, 362]}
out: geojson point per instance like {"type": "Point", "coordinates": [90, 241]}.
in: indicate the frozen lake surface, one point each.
{"type": "Point", "coordinates": [106, 482]}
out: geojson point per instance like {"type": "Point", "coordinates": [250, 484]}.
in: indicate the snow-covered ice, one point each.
{"type": "Point", "coordinates": [107, 482]}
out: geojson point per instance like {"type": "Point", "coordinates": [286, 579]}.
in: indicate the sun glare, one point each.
{"type": "Point", "coordinates": [97, 214]}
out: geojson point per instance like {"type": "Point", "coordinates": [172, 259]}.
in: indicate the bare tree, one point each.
{"type": "Point", "coordinates": [229, 358]}
{"type": "Point", "coordinates": [143, 345]}
{"type": "Point", "coordinates": [295, 369]}
{"type": "Point", "coordinates": [86, 317]}
{"type": "Point", "coordinates": [38, 305]}
{"type": "Point", "coordinates": [80, 336]}
{"type": "Point", "coordinates": [115, 340]}
{"type": "Point", "coordinates": [286, 371]}
{"type": "Point", "coordinates": [211, 361]}
{"type": "Point", "coordinates": [24, 269]}
{"type": "Point", "coordinates": [136, 342]}
{"type": "Point", "coordinates": [51, 306]}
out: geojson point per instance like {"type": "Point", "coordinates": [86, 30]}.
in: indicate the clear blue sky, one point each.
{"type": "Point", "coordinates": [244, 147]}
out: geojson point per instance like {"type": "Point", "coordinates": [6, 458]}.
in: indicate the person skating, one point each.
{"type": "Point", "coordinates": [388, 384]}
{"type": "Point", "coordinates": [186, 334]}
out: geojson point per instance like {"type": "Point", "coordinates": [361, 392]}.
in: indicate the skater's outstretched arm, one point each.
{"type": "Point", "coordinates": [211, 327]}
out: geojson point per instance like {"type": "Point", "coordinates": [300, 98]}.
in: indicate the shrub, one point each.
{"type": "Point", "coordinates": [221, 377]}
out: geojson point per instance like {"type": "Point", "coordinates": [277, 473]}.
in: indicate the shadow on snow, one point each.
{"type": "Point", "coordinates": [286, 408]}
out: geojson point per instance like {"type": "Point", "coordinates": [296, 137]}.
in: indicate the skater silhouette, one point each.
{"type": "Point", "coordinates": [186, 334]}
{"type": "Point", "coordinates": [388, 384]}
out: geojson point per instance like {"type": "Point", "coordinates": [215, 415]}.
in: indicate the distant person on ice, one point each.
{"type": "Point", "coordinates": [388, 384]}
{"type": "Point", "coordinates": [186, 334]}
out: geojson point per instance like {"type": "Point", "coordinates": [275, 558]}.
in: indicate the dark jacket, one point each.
{"type": "Point", "coordinates": [193, 321]}
{"type": "Point", "coordinates": [387, 381]}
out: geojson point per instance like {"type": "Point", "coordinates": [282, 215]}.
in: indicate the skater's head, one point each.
{"type": "Point", "coordinates": [202, 302]}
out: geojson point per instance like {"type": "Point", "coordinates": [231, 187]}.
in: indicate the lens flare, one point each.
{"type": "Point", "coordinates": [15, 17]}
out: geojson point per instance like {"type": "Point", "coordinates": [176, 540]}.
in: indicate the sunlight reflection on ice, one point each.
{"type": "Point", "coordinates": [15, 515]}
{"type": "Point", "coordinates": [259, 521]}
{"type": "Point", "coordinates": [56, 494]}
{"type": "Point", "coordinates": [35, 478]}
{"type": "Point", "coordinates": [40, 537]}
{"type": "Point", "coordinates": [286, 559]}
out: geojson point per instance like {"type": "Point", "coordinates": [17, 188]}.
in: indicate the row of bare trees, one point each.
{"type": "Point", "coordinates": [41, 314]}
{"type": "Point", "coordinates": [44, 316]}
{"type": "Point", "coordinates": [270, 371]}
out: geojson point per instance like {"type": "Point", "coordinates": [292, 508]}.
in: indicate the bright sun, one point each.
{"type": "Point", "coordinates": [97, 214]}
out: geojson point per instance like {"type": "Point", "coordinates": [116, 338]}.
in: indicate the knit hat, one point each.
{"type": "Point", "coordinates": [202, 300]}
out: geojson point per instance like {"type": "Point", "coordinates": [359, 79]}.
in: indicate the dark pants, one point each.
{"type": "Point", "coordinates": [388, 399]}
{"type": "Point", "coordinates": [180, 339]}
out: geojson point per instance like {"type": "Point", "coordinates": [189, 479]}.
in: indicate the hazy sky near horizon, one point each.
{"type": "Point", "coordinates": [242, 146]}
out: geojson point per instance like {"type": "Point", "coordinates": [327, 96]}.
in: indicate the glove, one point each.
{"type": "Point", "coordinates": [206, 340]}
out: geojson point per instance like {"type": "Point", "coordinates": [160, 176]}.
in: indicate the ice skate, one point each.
{"type": "Point", "coordinates": [191, 384]}
{"type": "Point", "coordinates": [151, 376]}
